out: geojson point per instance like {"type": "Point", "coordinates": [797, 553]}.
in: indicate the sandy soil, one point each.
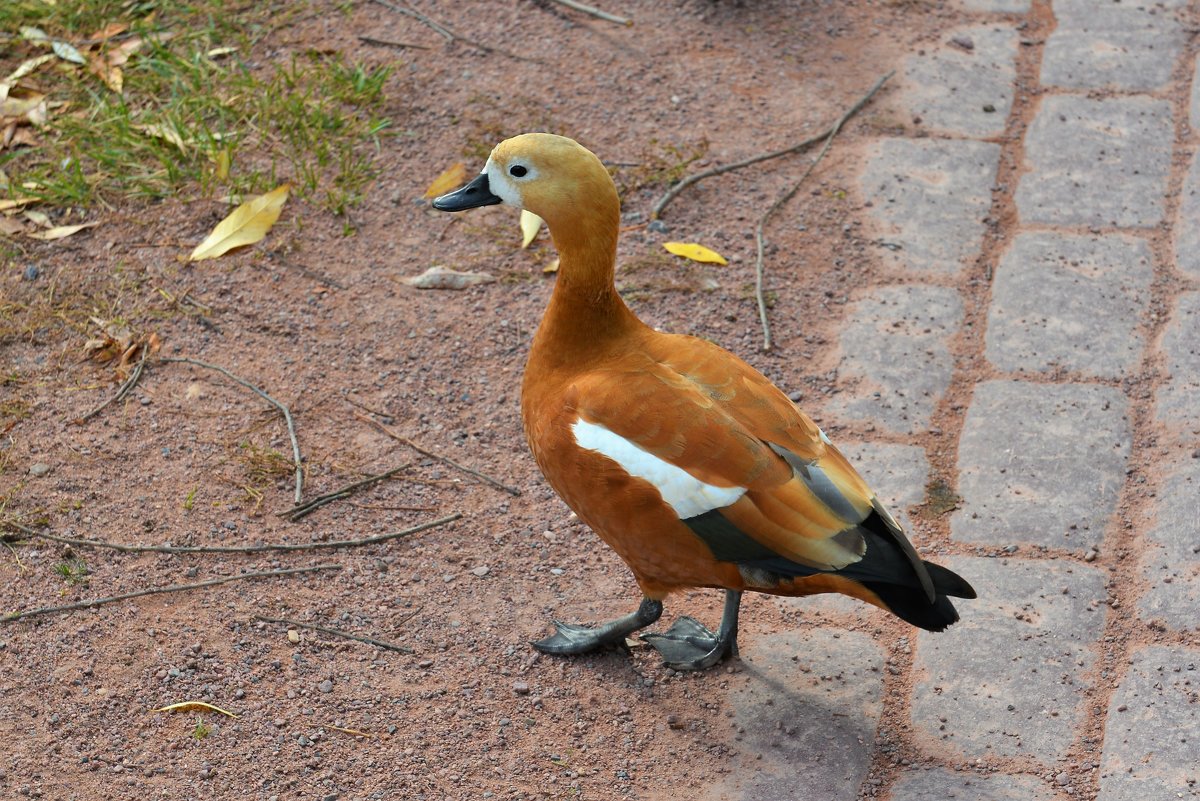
{"type": "Point", "coordinates": [321, 322]}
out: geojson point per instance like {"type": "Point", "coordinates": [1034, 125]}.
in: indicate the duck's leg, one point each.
{"type": "Point", "coordinates": [573, 639]}
{"type": "Point", "coordinates": [688, 645]}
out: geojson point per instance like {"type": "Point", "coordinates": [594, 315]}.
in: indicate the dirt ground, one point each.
{"type": "Point", "coordinates": [321, 322]}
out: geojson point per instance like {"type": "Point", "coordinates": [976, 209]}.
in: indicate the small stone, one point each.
{"type": "Point", "coordinates": [658, 227]}
{"type": "Point", "coordinates": [1063, 779]}
{"type": "Point", "coordinates": [481, 571]}
{"type": "Point", "coordinates": [521, 688]}
{"type": "Point", "coordinates": [425, 663]}
{"type": "Point", "coordinates": [293, 636]}
{"type": "Point", "coordinates": [674, 722]}
{"type": "Point", "coordinates": [325, 686]}
{"type": "Point", "coordinates": [1122, 707]}
{"type": "Point", "coordinates": [988, 108]}
{"type": "Point", "coordinates": [963, 41]}
{"type": "Point", "coordinates": [303, 741]}
{"type": "Point", "coordinates": [39, 469]}
{"type": "Point", "coordinates": [31, 272]}
{"type": "Point", "coordinates": [796, 395]}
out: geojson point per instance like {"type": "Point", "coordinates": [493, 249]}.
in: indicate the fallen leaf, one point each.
{"type": "Point", "coordinates": [530, 225]}
{"type": "Point", "coordinates": [27, 67]}
{"type": "Point", "coordinates": [16, 202]}
{"type": "Point", "coordinates": [32, 34]}
{"type": "Point", "coordinates": [442, 278]}
{"type": "Point", "coordinates": [217, 52]}
{"type": "Point", "coordinates": [452, 178]}
{"type": "Point", "coordinates": [39, 218]}
{"type": "Point", "coordinates": [245, 225]}
{"type": "Point", "coordinates": [167, 133]}
{"type": "Point", "coordinates": [19, 102]}
{"type": "Point", "coordinates": [10, 227]}
{"type": "Point", "coordinates": [67, 52]}
{"type": "Point", "coordinates": [188, 706]}
{"type": "Point", "coordinates": [690, 250]}
{"type": "Point", "coordinates": [552, 267]}
{"type": "Point", "coordinates": [355, 732]}
{"type": "Point", "coordinates": [108, 31]}
{"type": "Point", "coordinates": [61, 231]}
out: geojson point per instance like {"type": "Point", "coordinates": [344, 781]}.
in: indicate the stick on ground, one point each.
{"type": "Point", "coordinates": [674, 191]}
{"type": "Point", "coordinates": [446, 33]}
{"type": "Point", "coordinates": [122, 390]}
{"type": "Point", "coordinates": [595, 12]}
{"type": "Point", "coordinates": [404, 649]}
{"type": "Point", "coordinates": [391, 432]}
{"type": "Point", "coordinates": [50, 610]}
{"type": "Point", "coordinates": [287, 415]}
{"type": "Point", "coordinates": [313, 504]}
{"type": "Point", "coordinates": [306, 546]}
{"type": "Point", "coordinates": [788, 195]}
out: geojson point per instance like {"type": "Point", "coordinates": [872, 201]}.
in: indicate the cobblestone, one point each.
{"type": "Point", "coordinates": [1025, 698]}
{"type": "Point", "coordinates": [1040, 464]}
{"type": "Point", "coordinates": [1177, 399]}
{"type": "Point", "coordinates": [937, 785]}
{"type": "Point", "coordinates": [896, 353]}
{"type": "Point", "coordinates": [1080, 149]}
{"type": "Point", "coordinates": [1171, 557]}
{"type": "Point", "coordinates": [1061, 300]}
{"type": "Point", "coordinates": [1187, 236]}
{"type": "Point", "coordinates": [967, 92]}
{"type": "Point", "coordinates": [809, 707]}
{"type": "Point", "coordinates": [929, 198]}
{"type": "Point", "coordinates": [1152, 734]}
{"type": "Point", "coordinates": [1127, 46]}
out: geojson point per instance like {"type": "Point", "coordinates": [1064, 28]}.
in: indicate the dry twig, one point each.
{"type": "Point", "coordinates": [49, 610]}
{"type": "Point", "coordinates": [404, 649]}
{"type": "Point", "coordinates": [313, 504]}
{"type": "Point", "coordinates": [674, 191]}
{"type": "Point", "coordinates": [123, 390]}
{"type": "Point", "coordinates": [305, 546]}
{"type": "Point", "coordinates": [595, 12]}
{"type": "Point", "coordinates": [371, 40]}
{"type": "Point", "coordinates": [391, 432]}
{"type": "Point", "coordinates": [788, 195]}
{"type": "Point", "coordinates": [287, 415]}
{"type": "Point", "coordinates": [447, 33]}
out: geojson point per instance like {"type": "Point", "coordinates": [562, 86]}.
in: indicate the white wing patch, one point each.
{"type": "Point", "coordinates": [686, 494]}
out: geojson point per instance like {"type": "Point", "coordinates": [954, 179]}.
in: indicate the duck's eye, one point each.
{"type": "Point", "coordinates": [517, 171]}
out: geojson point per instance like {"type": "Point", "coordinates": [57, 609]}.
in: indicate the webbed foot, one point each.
{"type": "Point", "coordinates": [570, 638]}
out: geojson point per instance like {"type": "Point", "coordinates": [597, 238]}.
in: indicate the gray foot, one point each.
{"type": "Point", "coordinates": [688, 645]}
{"type": "Point", "coordinates": [570, 638]}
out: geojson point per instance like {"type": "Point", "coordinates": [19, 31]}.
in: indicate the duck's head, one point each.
{"type": "Point", "coordinates": [552, 176]}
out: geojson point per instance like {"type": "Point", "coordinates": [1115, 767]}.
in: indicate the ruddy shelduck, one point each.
{"type": "Point", "coordinates": [684, 459]}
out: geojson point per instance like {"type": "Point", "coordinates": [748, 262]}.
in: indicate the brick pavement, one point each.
{"type": "Point", "coordinates": [1021, 349]}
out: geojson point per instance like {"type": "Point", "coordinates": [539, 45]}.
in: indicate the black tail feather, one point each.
{"type": "Point", "coordinates": [911, 605]}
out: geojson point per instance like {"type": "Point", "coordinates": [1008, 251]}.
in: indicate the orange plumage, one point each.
{"type": "Point", "coordinates": [684, 459]}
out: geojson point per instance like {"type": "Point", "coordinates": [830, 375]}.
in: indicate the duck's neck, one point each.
{"type": "Point", "coordinates": [585, 314]}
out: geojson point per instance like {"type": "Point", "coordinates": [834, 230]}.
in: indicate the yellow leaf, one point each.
{"type": "Point", "coordinates": [217, 52]}
{"type": "Point", "coordinates": [454, 176]}
{"type": "Point", "coordinates": [16, 202]}
{"type": "Point", "coordinates": [38, 218]}
{"type": "Point", "coordinates": [187, 706]}
{"type": "Point", "coordinates": [530, 225]}
{"type": "Point", "coordinates": [109, 31]}
{"type": "Point", "coordinates": [167, 133]}
{"type": "Point", "coordinates": [552, 267]}
{"type": "Point", "coordinates": [28, 66]}
{"type": "Point", "coordinates": [245, 225]}
{"type": "Point", "coordinates": [690, 250]}
{"type": "Point", "coordinates": [61, 231]}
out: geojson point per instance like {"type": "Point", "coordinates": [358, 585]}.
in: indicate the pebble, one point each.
{"type": "Point", "coordinates": [796, 395]}
{"type": "Point", "coordinates": [325, 686]}
{"type": "Point", "coordinates": [293, 636]}
{"type": "Point", "coordinates": [480, 571]}
{"type": "Point", "coordinates": [963, 41]}
{"type": "Point", "coordinates": [39, 469]}
{"type": "Point", "coordinates": [521, 688]}
{"type": "Point", "coordinates": [658, 227]}
{"type": "Point", "coordinates": [31, 272]}
{"type": "Point", "coordinates": [425, 663]}
{"type": "Point", "coordinates": [1063, 779]}
{"type": "Point", "coordinates": [303, 741]}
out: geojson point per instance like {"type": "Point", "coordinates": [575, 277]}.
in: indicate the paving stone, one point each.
{"type": "Point", "coordinates": [1170, 555]}
{"type": "Point", "coordinates": [1187, 229]}
{"type": "Point", "coordinates": [1040, 463]}
{"type": "Point", "coordinates": [1112, 45]}
{"type": "Point", "coordinates": [809, 707]}
{"type": "Point", "coordinates": [951, 87]}
{"type": "Point", "coordinates": [1062, 300]}
{"type": "Point", "coordinates": [929, 198]}
{"type": "Point", "coordinates": [896, 355]}
{"type": "Point", "coordinates": [1025, 697]}
{"type": "Point", "coordinates": [1194, 115]}
{"type": "Point", "coordinates": [1152, 732]}
{"type": "Point", "coordinates": [997, 6]}
{"type": "Point", "coordinates": [939, 784]}
{"type": "Point", "coordinates": [1080, 150]}
{"type": "Point", "coordinates": [1178, 404]}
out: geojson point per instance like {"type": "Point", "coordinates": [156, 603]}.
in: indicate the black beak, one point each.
{"type": "Point", "coordinates": [471, 196]}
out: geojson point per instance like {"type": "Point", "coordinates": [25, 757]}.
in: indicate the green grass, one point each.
{"type": "Point", "coordinates": [72, 571]}
{"type": "Point", "coordinates": [200, 112]}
